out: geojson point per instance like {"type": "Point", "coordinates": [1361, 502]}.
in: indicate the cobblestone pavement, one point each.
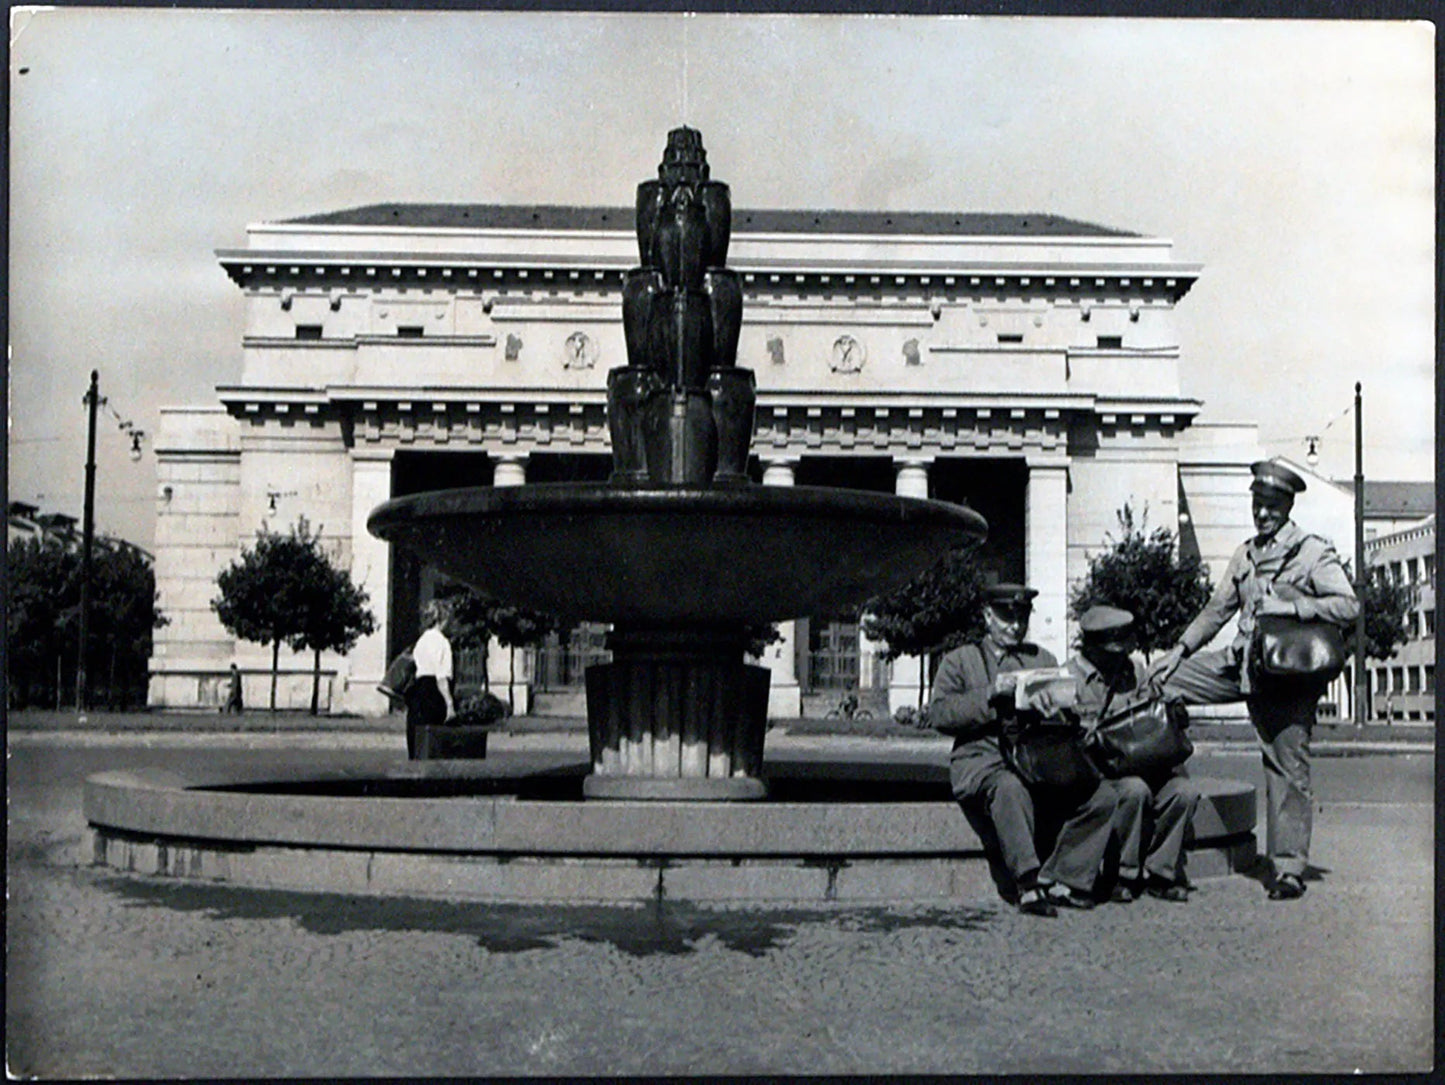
{"type": "Point", "coordinates": [110, 976]}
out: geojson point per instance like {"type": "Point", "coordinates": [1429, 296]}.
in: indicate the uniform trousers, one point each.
{"type": "Point", "coordinates": [1004, 811]}
{"type": "Point", "coordinates": [1284, 720]}
{"type": "Point", "coordinates": [1152, 824]}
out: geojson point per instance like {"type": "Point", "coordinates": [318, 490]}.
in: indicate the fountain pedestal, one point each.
{"type": "Point", "coordinates": [677, 714]}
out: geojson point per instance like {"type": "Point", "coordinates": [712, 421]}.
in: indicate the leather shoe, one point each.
{"type": "Point", "coordinates": [1162, 890]}
{"type": "Point", "coordinates": [1287, 887]}
{"type": "Point", "coordinates": [1124, 893]}
{"type": "Point", "coordinates": [1034, 901]}
{"type": "Point", "coordinates": [1066, 897]}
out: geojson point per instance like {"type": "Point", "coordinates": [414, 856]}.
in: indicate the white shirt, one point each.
{"type": "Point", "coordinates": [433, 655]}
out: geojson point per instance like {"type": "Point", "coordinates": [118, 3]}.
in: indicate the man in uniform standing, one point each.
{"type": "Point", "coordinates": [1279, 571]}
{"type": "Point", "coordinates": [972, 693]}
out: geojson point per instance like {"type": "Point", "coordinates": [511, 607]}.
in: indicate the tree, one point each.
{"type": "Point", "coordinates": [280, 592]}
{"type": "Point", "coordinates": [43, 621]}
{"type": "Point", "coordinates": [936, 611]}
{"type": "Point", "coordinates": [334, 617]}
{"type": "Point", "coordinates": [517, 627]}
{"type": "Point", "coordinates": [1385, 603]}
{"type": "Point", "coordinates": [1145, 574]}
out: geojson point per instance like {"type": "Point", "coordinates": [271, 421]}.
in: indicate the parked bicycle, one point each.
{"type": "Point", "coordinates": [848, 708]}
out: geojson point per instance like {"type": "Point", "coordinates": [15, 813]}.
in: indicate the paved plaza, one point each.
{"type": "Point", "coordinates": [134, 977]}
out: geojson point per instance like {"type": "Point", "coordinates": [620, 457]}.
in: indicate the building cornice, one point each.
{"type": "Point", "coordinates": [787, 421]}
{"type": "Point", "coordinates": [948, 280]}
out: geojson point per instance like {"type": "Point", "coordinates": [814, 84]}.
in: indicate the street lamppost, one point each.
{"type": "Point", "coordinates": [93, 400]}
{"type": "Point", "coordinates": [1362, 575]}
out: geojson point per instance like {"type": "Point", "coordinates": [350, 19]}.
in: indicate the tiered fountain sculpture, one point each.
{"type": "Point", "coordinates": [679, 550]}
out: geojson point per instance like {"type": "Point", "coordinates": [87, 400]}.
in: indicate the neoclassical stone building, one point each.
{"type": "Point", "coordinates": [1026, 364]}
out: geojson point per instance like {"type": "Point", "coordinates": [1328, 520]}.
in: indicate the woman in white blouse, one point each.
{"type": "Point", "coordinates": [429, 701]}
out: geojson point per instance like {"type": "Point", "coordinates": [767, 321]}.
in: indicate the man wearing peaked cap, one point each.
{"type": "Point", "coordinates": [1271, 475]}
{"type": "Point", "coordinates": [1153, 811]}
{"type": "Point", "coordinates": [1100, 620]}
{"type": "Point", "coordinates": [973, 697]}
{"type": "Point", "coordinates": [1280, 571]}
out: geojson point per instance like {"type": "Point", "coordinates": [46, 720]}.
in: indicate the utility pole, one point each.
{"type": "Point", "coordinates": [82, 689]}
{"type": "Point", "coordinates": [1362, 574]}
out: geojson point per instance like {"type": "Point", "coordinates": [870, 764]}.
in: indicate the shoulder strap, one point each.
{"type": "Point", "coordinates": [1290, 555]}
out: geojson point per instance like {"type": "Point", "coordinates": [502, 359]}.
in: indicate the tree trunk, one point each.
{"type": "Point", "coordinates": [316, 682]}
{"type": "Point", "coordinates": [275, 668]}
{"type": "Point", "coordinates": [511, 679]}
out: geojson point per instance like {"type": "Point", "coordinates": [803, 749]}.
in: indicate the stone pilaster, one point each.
{"type": "Point", "coordinates": [370, 568]}
{"type": "Point", "coordinates": [508, 469]}
{"type": "Point", "coordinates": [785, 697]}
{"type": "Point", "coordinates": [906, 674]}
{"type": "Point", "coordinates": [1046, 552]}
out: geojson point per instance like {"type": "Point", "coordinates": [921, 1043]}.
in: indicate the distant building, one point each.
{"type": "Point", "coordinates": [25, 521]}
{"type": "Point", "coordinates": [1403, 688]}
{"type": "Point", "coordinates": [1391, 506]}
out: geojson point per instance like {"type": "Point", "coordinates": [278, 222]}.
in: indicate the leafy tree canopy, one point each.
{"type": "Point", "coordinates": [938, 610]}
{"type": "Point", "coordinates": [1385, 604]}
{"type": "Point", "coordinates": [1142, 572]}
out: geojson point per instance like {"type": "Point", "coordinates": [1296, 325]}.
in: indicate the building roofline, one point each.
{"type": "Point", "coordinates": [744, 221]}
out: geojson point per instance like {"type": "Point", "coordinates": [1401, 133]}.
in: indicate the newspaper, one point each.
{"type": "Point", "coordinates": [1058, 681]}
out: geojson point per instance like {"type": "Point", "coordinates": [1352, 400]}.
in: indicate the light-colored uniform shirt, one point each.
{"type": "Point", "coordinates": [1313, 579]}
{"type": "Point", "coordinates": [433, 655]}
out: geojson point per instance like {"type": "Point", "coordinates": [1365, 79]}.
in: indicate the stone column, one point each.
{"type": "Point", "coordinates": [508, 469]}
{"type": "Point", "coordinates": [785, 698]}
{"type": "Point", "coordinates": [906, 675]}
{"type": "Point", "coordinates": [1046, 506]}
{"type": "Point", "coordinates": [371, 569]}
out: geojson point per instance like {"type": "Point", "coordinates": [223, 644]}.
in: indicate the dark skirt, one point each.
{"type": "Point", "coordinates": [424, 708]}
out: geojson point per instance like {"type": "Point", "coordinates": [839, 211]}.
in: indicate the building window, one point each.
{"type": "Point", "coordinates": [1429, 623]}
{"type": "Point", "coordinates": [1010, 337]}
{"type": "Point", "coordinates": [1111, 342]}
{"type": "Point", "coordinates": [1397, 679]}
{"type": "Point", "coordinates": [1396, 573]}
{"type": "Point", "coordinates": [308, 331]}
{"type": "Point", "coordinates": [408, 331]}
{"type": "Point", "coordinates": [1414, 674]}
{"type": "Point", "coordinates": [1429, 678]}
{"type": "Point", "coordinates": [1413, 565]}
{"type": "Point", "coordinates": [1412, 625]}
{"type": "Point", "coordinates": [1429, 568]}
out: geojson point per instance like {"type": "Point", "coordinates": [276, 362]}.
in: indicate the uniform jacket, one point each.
{"type": "Point", "coordinates": [959, 705]}
{"type": "Point", "coordinates": [1094, 687]}
{"type": "Point", "coordinates": [1314, 579]}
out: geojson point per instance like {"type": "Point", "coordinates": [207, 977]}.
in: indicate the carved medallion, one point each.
{"type": "Point", "coordinates": [579, 352]}
{"type": "Point", "coordinates": [848, 356]}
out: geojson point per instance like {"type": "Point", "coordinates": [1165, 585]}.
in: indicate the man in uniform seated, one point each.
{"type": "Point", "coordinates": [973, 693]}
{"type": "Point", "coordinates": [1154, 811]}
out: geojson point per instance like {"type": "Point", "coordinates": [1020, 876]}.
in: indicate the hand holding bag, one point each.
{"type": "Point", "coordinates": [1048, 753]}
{"type": "Point", "coordinates": [1140, 739]}
{"type": "Point", "coordinates": [1289, 648]}
{"type": "Point", "coordinates": [400, 676]}
{"type": "Point", "coordinates": [1286, 648]}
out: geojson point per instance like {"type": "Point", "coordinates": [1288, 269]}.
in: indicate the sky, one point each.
{"type": "Point", "coordinates": [1294, 160]}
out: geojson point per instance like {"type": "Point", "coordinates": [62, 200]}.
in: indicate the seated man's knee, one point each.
{"type": "Point", "coordinates": [1131, 791]}
{"type": "Point", "coordinates": [1009, 789]}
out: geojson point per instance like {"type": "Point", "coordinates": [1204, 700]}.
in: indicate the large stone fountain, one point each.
{"type": "Point", "coordinates": [682, 554]}
{"type": "Point", "coordinates": [679, 550]}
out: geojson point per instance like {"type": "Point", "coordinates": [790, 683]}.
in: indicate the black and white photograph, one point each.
{"type": "Point", "coordinates": [667, 543]}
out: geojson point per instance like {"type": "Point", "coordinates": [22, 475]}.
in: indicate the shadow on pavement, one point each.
{"type": "Point", "coordinates": [639, 931]}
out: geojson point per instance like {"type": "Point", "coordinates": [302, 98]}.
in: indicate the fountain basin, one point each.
{"type": "Point", "coordinates": [677, 555]}
{"type": "Point", "coordinates": [517, 829]}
